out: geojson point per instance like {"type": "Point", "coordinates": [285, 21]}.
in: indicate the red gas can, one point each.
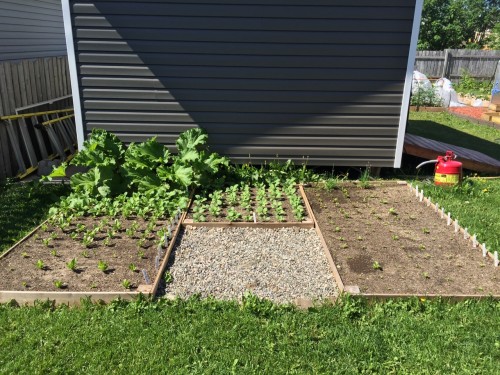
{"type": "Point", "coordinates": [447, 171]}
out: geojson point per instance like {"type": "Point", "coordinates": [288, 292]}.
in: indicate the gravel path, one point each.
{"type": "Point", "coordinates": [277, 264]}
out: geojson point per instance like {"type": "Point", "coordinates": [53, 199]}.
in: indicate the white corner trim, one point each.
{"type": "Point", "coordinates": [73, 73]}
{"type": "Point", "coordinates": [405, 103]}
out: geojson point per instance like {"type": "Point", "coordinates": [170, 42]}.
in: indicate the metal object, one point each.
{"type": "Point", "coordinates": [447, 170]}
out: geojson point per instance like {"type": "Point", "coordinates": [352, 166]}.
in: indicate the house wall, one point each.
{"type": "Point", "coordinates": [33, 62]}
{"type": "Point", "coordinates": [31, 29]}
{"type": "Point", "coordinates": [320, 80]}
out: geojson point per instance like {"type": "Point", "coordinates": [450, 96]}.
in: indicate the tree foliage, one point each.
{"type": "Point", "coordinates": [457, 23]}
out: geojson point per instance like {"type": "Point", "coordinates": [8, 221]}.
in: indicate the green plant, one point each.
{"type": "Point", "coordinates": [85, 253]}
{"type": "Point", "coordinates": [215, 206]}
{"type": "Point", "coordinates": [376, 266]}
{"type": "Point", "coordinates": [168, 277]}
{"type": "Point", "coordinates": [141, 254]}
{"type": "Point", "coordinates": [425, 97]}
{"type": "Point", "coordinates": [132, 267]}
{"type": "Point", "coordinates": [46, 241]}
{"type": "Point", "coordinates": [40, 264]}
{"type": "Point", "coordinates": [54, 253]}
{"type": "Point", "coordinates": [426, 230]}
{"type": "Point", "coordinates": [470, 86]}
{"type": "Point", "coordinates": [24, 254]}
{"type": "Point", "coordinates": [331, 183]}
{"type": "Point", "coordinates": [103, 266]}
{"type": "Point", "coordinates": [58, 284]}
{"type": "Point", "coordinates": [364, 179]}
{"type": "Point", "coordinates": [126, 284]}
{"type": "Point", "coordinates": [72, 264]}
{"type": "Point", "coordinates": [393, 211]}
{"type": "Point", "coordinates": [232, 194]}
{"type": "Point", "coordinates": [232, 214]}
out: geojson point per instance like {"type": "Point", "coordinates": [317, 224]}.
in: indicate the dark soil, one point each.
{"type": "Point", "coordinates": [384, 240]}
{"type": "Point", "coordinates": [19, 271]}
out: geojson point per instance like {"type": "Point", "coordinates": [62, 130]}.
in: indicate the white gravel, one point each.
{"type": "Point", "coordinates": [278, 264]}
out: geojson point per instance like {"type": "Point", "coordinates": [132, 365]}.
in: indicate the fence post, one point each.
{"type": "Point", "coordinates": [446, 62]}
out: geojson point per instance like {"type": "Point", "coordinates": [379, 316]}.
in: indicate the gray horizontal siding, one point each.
{"type": "Point", "coordinates": [321, 79]}
{"type": "Point", "coordinates": [31, 29]}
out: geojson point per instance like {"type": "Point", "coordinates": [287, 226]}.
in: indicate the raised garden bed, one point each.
{"type": "Point", "coordinates": [426, 109]}
{"type": "Point", "coordinates": [385, 242]}
{"type": "Point", "coordinates": [273, 206]}
{"type": "Point", "coordinates": [98, 258]}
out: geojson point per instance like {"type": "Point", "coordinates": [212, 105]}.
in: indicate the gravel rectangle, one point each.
{"type": "Point", "coordinates": [278, 264]}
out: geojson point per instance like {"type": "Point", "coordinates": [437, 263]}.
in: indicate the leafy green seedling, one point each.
{"type": "Point", "coordinates": [44, 227]}
{"type": "Point", "coordinates": [58, 284]}
{"type": "Point", "coordinates": [53, 253]}
{"type": "Point", "coordinates": [132, 267]}
{"type": "Point", "coordinates": [426, 230]}
{"type": "Point", "coordinates": [232, 214]}
{"type": "Point", "coordinates": [46, 241]}
{"type": "Point", "coordinates": [40, 264]}
{"type": "Point", "coordinates": [72, 264]}
{"type": "Point", "coordinates": [337, 229]}
{"type": "Point", "coordinates": [426, 275]}
{"type": "Point", "coordinates": [376, 266]}
{"type": "Point", "coordinates": [103, 266]}
{"type": "Point", "coordinates": [395, 237]}
{"type": "Point", "coordinates": [24, 254]}
{"type": "Point", "coordinates": [126, 284]}
{"type": "Point", "coordinates": [392, 211]}
{"type": "Point", "coordinates": [141, 255]}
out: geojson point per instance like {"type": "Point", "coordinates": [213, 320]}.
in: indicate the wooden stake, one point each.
{"type": "Point", "coordinates": [466, 235]}
{"type": "Point", "coordinates": [437, 207]}
{"type": "Point", "coordinates": [456, 223]}
{"type": "Point", "coordinates": [484, 250]}
{"type": "Point", "coordinates": [429, 201]}
{"type": "Point", "coordinates": [474, 241]}
{"type": "Point", "coordinates": [495, 257]}
{"type": "Point", "coordinates": [416, 191]}
{"type": "Point", "coordinates": [421, 195]}
{"type": "Point", "coordinates": [448, 220]}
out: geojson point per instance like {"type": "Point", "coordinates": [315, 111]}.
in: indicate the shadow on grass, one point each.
{"type": "Point", "coordinates": [442, 133]}
{"type": "Point", "coordinates": [23, 206]}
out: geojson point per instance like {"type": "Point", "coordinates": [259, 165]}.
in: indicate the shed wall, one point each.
{"type": "Point", "coordinates": [317, 79]}
{"type": "Point", "coordinates": [31, 29]}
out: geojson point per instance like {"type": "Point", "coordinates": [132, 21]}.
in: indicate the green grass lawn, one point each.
{"type": "Point", "coordinates": [445, 127]}
{"type": "Point", "coordinates": [208, 337]}
{"type": "Point", "coordinates": [23, 206]}
{"type": "Point", "coordinates": [476, 205]}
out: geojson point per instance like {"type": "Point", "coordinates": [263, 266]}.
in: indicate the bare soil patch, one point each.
{"type": "Point", "coordinates": [384, 240]}
{"type": "Point", "coordinates": [54, 247]}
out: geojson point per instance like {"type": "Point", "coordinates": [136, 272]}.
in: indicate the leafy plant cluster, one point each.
{"type": "Point", "coordinates": [473, 87]}
{"type": "Point", "coordinates": [144, 179]}
{"type": "Point", "coordinates": [425, 97]}
{"type": "Point", "coordinates": [240, 202]}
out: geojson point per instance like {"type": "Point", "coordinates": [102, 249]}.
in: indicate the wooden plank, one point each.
{"type": "Point", "coordinates": [38, 80]}
{"type": "Point", "coordinates": [238, 224]}
{"type": "Point", "coordinates": [468, 164]}
{"type": "Point", "coordinates": [170, 247]}
{"type": "Point", "coordinates": [329, 258]}
{"type": "Point", "coordinates": [449, 297]}
{"type": "Point", "coordinates": [67, 298]}
{"type": "Point", "coordinates": [27, 81]}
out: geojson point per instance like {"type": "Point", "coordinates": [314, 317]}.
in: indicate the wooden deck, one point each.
{"type": "Point", "coordinates": [430, 149]}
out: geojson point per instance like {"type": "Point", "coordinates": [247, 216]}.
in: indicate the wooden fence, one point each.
{"type": "Point", "coordinates": [24, 83]}
{"type": "Point", "coordinates": [453, 63]}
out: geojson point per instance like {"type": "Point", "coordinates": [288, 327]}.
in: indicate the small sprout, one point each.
{"type": "Point", "coordinates": [53, 236]}
{"type": "Point", "coordinates": [395, 237]}
{"type": "Point", "coordinates": [337, 229]}
{"type": "Point", "coordinates": [426, 230]}
{"type": "Point", "coordinates": [126, 284]}
{"type": "Point", "coordinates": [426, 275]}
{"type": "Point", "coordinates": [24, 254]}
{"type": "Point", "coordinates": [46, 241]}
{"type": "Point", "coordinates": [103, 266]}
{"type": "Point", "coordinates": [107, 242]}
{"type": "Point", "coordinates": [341, 239]}
{"type": "Point", "coordinates": [44, 227]}
{"type": "Point", "coordinates": [72, 264]}
{"type": "Point", "coordinates": [392, 211]}
{"type": "Point", "coordinates": [85, 254]}
{"type": "Point", "coordinates": [53, 253]}
{"type": "Point", "coordinates": [168, 277]}
{"type": "Point", "coordinates": [25, 284]}
{"type": "Point", "coordinates": [58, 284]}
{"type": "Point", "coordinates": [376, 266]}
{"type": "Point", "coordinates": [40, 264]}
{"type": "Point", "coordinates": [344, 246]}
{"type": "Point", "coordinates": [421, 247]}
{"type": "Point", "coordinates": [132, 267]}
{"type": "Point", "coordinates": [360, 238]}
{"type": "Point", "coordinates": [141, 255]}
